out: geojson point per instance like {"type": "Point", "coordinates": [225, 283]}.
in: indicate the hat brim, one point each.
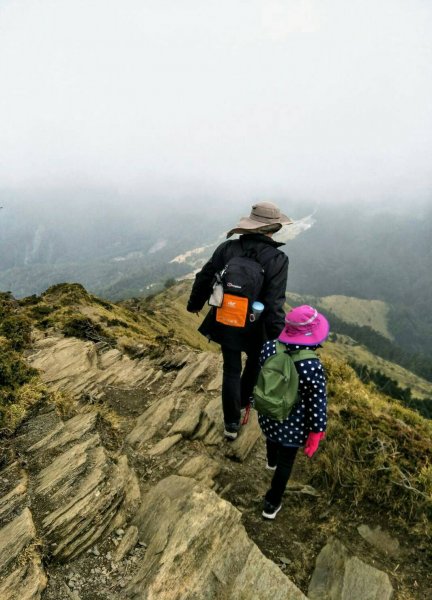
{"type": "Point", "coordinates": [248, 224]}
{"type": "Point", "coordinates": [307, 338]}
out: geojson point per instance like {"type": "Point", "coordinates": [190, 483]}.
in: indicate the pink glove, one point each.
{"type": "Point", "coordinates": [312, 443]}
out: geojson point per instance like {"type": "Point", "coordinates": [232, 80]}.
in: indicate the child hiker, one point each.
{"type": "Point", "coordinates": [305, 329]}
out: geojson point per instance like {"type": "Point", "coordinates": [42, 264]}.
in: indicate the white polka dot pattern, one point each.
{"type": "Point", "coordinates": [310, 412]}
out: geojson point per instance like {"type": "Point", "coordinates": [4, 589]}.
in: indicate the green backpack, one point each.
{"type": "Point", "coordinates": [276, 389]}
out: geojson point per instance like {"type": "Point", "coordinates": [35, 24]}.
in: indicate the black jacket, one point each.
{"type": "Point", "coordinates": [272, 295]}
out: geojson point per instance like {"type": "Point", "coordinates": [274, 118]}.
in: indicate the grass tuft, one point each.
{"type": "Point", "coordinates": [376, 450]}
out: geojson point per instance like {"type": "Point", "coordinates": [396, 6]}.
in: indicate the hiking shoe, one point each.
{"type": "Point", "coordinates": [231, 431]}
{"type": "Point", "coordinates": [270, 467]}
{"type": "Point", "coordinates": [270, 511]}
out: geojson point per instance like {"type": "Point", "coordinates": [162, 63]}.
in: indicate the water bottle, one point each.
{"type": "Point", "coordinates": [257, 308]}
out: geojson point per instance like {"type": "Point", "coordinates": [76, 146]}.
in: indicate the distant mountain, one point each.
{"type": "Point", "coordinates": [115, 247]}
{"type": "Point", "coordinates": [120, 249]}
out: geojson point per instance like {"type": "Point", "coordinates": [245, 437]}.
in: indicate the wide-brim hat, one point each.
{"type": "Point", "coordinates": [262, 215]}
{"type": "Point", "coordinates": [305, 326]}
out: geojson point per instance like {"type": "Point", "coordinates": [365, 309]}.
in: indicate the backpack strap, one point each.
{"type": "Point", "coordinates": [296, 355]}
{"type": "Point", "coordinates": [281, 348]}
{"type": "Point", "coordinates": [299, 355]}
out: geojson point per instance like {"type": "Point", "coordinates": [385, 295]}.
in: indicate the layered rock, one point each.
{"type": "Point", "coordinates": [198, 548]}
{"type": "Point", "coordinates": [77, 366]}
{"type": "Point", "coordinates": [22, 574]}
{"type": "Point", "coordinates": [83, 491]}
{"type": "Point", "coordinates": [182, 541]}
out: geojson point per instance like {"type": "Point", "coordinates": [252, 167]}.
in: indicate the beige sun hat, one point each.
{"type": "Point", "coordinates": [262, 215]}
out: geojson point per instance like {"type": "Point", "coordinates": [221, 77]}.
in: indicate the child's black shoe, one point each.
{"type": "Point", "coordinates": [231, 431]}
{"type": "Point", "coordinates": [270, 511]}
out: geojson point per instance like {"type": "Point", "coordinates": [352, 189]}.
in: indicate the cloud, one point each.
{"type": "Point", "coordinates": [281, 18]}
{"type": "Point", "coordinates": [266, 96]}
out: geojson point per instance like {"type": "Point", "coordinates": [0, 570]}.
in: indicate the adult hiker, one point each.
{"type": "Point", "coordinates": [248, 269]}
{"type": "Point", "coordinates": [293, 372]}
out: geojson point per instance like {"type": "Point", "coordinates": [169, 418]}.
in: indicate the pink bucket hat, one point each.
{"type": "Point", "coordinates": [304, 325]}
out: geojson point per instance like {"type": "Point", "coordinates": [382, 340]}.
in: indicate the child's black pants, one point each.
{"type": "Point", "coordinates": [283, 457]}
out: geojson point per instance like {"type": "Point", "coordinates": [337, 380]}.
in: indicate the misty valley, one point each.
{"type": "Point", "coordinates": [121, 249]}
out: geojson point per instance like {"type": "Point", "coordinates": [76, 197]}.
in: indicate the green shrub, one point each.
{"type": "Point", "coordinates": [102, 303]}
{"type": "Point", "coordinates": [17, 329]}
{"type": "Point", "coordinates": [116, 323]}
{"type": "Point", "coordinates": [86, 329]}
{"type": "Point", "coordinates": [41, 311]}
{"type": "Point", "coordinates": [29, 300]}
{"type": "Point", "coordinates": [7, 304]}
{"type": "Point", "coordinates": [46, 323]}
{"type": "Point", "coordinates": [66, 293]}
{"type": "Point", "coordinates": [170, 282]}
{"type": "Point", "coordinates": [19, 387]}
{"type": "Point", "coordinates": [13, 370]}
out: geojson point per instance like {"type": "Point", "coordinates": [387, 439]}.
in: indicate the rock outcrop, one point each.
{"type": "Point", "coordinates": [73, 495]}
{"type": "Point", "coordinates": [340, 576]}
{"type": "Point", "coordinates": [77, 366]}
{"type": "Point", "coordinates": [22, 574]}
{"type": "Point", "coordinates": [198, 548]}
{"type": "Point", "coordinates": [144, 521]}
{"type": "Point", "coordinates": [79, 492]}
{"type": "Point", "coordinates": [193, 407]}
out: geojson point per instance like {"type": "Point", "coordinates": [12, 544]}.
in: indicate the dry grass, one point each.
{"type": "Point", "coordinates": [376, 450]}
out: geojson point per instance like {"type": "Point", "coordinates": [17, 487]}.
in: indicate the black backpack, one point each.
{"type": "Point", "coordinates": [240, 282]}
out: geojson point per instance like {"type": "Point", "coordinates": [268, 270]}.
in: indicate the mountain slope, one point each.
{"type": "Point", "coordinates": [151, 419]}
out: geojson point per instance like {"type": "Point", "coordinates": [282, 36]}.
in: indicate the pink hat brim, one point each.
{"type": "Point", "coordinates": [308, 338]}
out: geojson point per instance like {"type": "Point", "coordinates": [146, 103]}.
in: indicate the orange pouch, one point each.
{"type": "Point", "coordinates": [233, 311]}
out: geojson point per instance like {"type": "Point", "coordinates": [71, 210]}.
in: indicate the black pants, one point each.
{"type": "Point", "coordinates": [237, 386]}
{"type": "Point", "coordinates": [283, 457]}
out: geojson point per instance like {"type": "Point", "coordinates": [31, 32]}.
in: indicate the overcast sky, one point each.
{"type": "Point", "coordinates": [318, 98]}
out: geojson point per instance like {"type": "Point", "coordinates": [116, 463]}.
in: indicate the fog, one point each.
{"type": "Point", "coordinates": [314, 99]}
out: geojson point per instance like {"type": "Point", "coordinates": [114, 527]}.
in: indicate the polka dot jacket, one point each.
{"type": "Point", "coordinates": [309, 413]}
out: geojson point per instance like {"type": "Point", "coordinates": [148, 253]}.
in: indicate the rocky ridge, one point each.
{"type": "Point", "coordinates": [67, 494]}
{"type": "Point", "coordinates": [147, 516]}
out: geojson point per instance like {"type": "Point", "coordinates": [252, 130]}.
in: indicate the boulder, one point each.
{"type": "Point", "coordinates": [249, 434]}
{"type": "Point", "coordinates": [339, 576]}
{"type": "Point", "coordinates": [74, 429]}
{"type": "Point", "coordinates": [210, 429]}
{"type": "Point", "coordinates": [199, 366]}
{"type": "Point", "coordinates": [22, 576]}
{"type": "Point", "coordinates": [188, 422]}
{"type": "Point", "coordinates": [164, 445]}
{"type": "Point", "coordinates": [216, 383]}
{"type": "Point", "coordinates": [151, 422]}
{"type": "Point", "coordinates": [202, 468]}
{"type": "Point", "coordinates": [198, 548]}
